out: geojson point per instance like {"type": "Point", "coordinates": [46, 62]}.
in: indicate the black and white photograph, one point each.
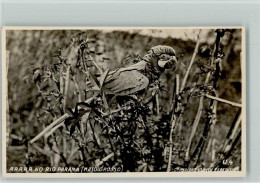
{"type": "Point", "coordinates": [123, 102]}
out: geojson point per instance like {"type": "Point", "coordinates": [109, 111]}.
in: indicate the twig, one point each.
{"type": "Point", "coordinates": [224, 101]}
{"type": "Point", "coordinates": [112, 112]}
{"type": "Point", "coordinates": [83, 60]}
{"type": "Point", "coordinates": [53, 130]}
{"type": "Point", "coordinates": [233, 130]}
{"type": "Point", "coordinates": [64, 143]}
{"type": "Point", "coordinates": [66, 88]}
{"type": "Point", "coordinates": [57, 121]}
{"type": "Point", "coordinates": [105, 159]}
{"type": "Point", "coordinates": [191, 62]}
{"type": "Point", "coordinates": [16, 148]}
{"type": "Point", "coordinates": [199, 112]}
{"type": "Point", "coordinates": [99, 69]}
{"type": "Point", "coordinates": [194, 127]}
{"type": "Point", "coordinates": [173, 120]}
{"type": "Point", "coordinates": [237, 116]}
{"type": "Point", "coordinates": [182, 107]}
{"type": "Point", "coordinates": [212, 139]}
{"type": "Point", "coordinates": [77, 88]}
{"type": "Point", "coordinates": [228, 151]}
{"type": "Point", "coordinates": [64, 107]}
{"type": "Point", "coordinates": [61, 79]}
{"type": "Point", "coordinates": [157, 104]}
{"type": "Point", "coordinates": [217, 59]}
{"type": "Point", "coordinates": [16, 137]}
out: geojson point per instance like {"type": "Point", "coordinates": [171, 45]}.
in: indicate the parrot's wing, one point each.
{"type": "Point", "coordinates": [126, 82]}
{"type": "Point", "coordinates": [140, 66]}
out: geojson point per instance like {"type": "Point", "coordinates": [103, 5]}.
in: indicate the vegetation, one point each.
{"type": "Point", "coordinates": [56, 120]}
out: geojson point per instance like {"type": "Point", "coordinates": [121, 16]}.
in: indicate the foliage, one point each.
{"type": "Point", "coordinates": [124, 131]}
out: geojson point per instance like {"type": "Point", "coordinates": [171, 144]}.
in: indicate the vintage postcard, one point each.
{"type": "Point", "coordinates": [123, 102]}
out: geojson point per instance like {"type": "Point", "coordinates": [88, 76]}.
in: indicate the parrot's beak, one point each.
{"type": "Point", "coordinates": [174, 59]}
{"type": "Point", "coordinates": [168, 64]}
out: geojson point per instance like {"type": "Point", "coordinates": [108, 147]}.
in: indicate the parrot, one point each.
{"type": "Point", "coordinates": [138, 77]}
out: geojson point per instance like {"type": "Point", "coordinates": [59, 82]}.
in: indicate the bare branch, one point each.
{"type": "Point", "coordinates": [173, 120]}
{"type": "Point", "coordinates": [224, 101]}
{"type": "Point", "coordinates": [57, 121]}
{"type": "Point", "coordinates": [105, 159]}
{"type": "Point", "coordinates": [191, 62]}
{"type": "Point", "coordinates": [66, 88]}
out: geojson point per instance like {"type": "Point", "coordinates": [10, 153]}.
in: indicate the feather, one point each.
{"type": "Point", "coordinates": [127, 82]}
{"type": "Point", "coordinates": [140, 66]}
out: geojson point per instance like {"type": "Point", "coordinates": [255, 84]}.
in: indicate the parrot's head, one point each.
{"type": "Point", "coordinates": [162, 56]}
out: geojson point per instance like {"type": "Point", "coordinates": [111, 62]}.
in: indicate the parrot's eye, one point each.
{"type": "Point", "coordinates": [162, 57]}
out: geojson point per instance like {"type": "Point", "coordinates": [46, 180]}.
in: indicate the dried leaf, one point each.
{"type": "Point", "coordinates": [93, 80]}
{"type": "Point", "coordinates": [103, 77]}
